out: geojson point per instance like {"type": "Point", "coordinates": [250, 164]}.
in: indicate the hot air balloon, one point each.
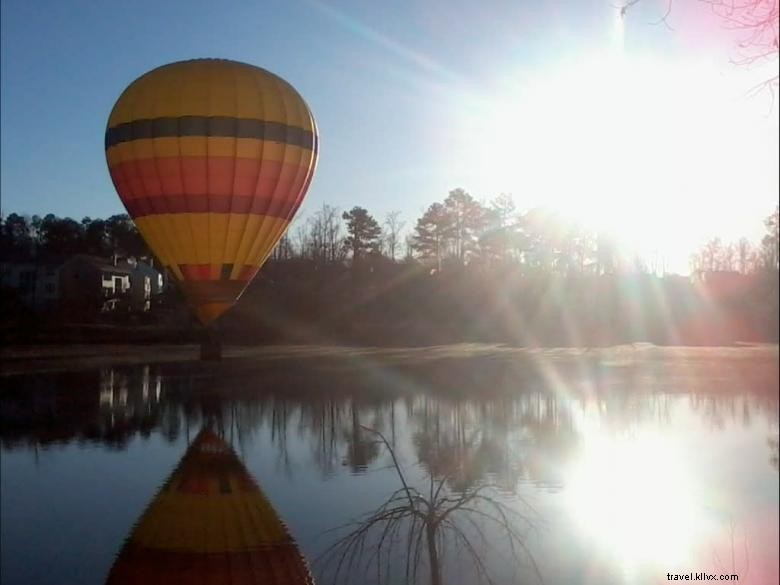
{"type": "Point", "coordinates": [211, 158]}
{"type": "Point", "coordinates": [210, 523]}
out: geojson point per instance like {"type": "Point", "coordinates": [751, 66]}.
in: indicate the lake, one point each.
{"type": "Point", "coordinates": [547, 468]}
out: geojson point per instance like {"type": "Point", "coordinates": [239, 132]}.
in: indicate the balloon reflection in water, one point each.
{"type": "Point", "coordinates": [210, 524]}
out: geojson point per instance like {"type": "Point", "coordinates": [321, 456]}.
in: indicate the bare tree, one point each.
{"type": "Point", "coordinates": [302, 239]}
{"type": "Point", "coordinates": [324, 242]}
{"type": "Point", "coordinates": [709, 257]}
{"type": "Point", "coordinates": [755, 21]}
{"type": "Point", "coordinates": [769, 243]}
{"type": "Point", "coordinates": [409, 247]}
{"type": "Point", "coordinates": [419, 525]}
{"type": "Point", "coordinates": [728, 259]}
{"type": "Point", "coordinates": [502, 228]}
{"type": "Point", "coordinates": [392, 232]}
{"type": "Point", "coordinates": [745, 256]}
{"type": "Point", "coordinates": [284, 248]}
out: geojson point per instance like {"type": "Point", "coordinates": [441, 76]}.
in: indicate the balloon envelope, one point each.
{"type": "Point", "coordinates": [211, 158]}
{"type": "Point", "coordinates": [210, 524]}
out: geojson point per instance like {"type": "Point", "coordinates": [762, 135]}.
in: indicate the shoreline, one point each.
{"type": "Point", "coordinates": [25, 360]}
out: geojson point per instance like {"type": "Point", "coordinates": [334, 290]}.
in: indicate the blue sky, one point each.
{"type": "Point", "coordinates": [399, 93]}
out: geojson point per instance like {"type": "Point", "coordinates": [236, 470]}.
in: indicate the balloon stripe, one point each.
{"type": "Point", "coordinates": [240, 148]}
{"type": "Point", "coordinates": [159, 175]}
{"type": "Point", "coordinates": [175, 204]}
{"type": "Point", "coordinates": [209, 126]}
{"type": "Point", "coordinates": [274, 564]}
{"type": "Point", "coordinates": [203, 271]}
{"type": "Point", "coordinates": [196, 271]}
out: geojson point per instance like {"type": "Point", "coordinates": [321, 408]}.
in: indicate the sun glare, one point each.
{"type": "Point", "coordinates": [634, 497]}
{"type": "Point", "coordinates": [632, 148]}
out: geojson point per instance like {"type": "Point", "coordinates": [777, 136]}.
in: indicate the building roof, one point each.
{"type": "Point", "coordinates": [31, 263]}
{"type": "Point", "coordinates": [102, 263]}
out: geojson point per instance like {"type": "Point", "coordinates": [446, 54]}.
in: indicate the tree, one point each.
{"type": "Point", "coordinates": [302, 239]}
{"type": "Point", "coordinates": [769, 243]}
{"type": "Point", "coordinates": [503, 228]}
{"type": "Point", "coordinates": [124, 236]}
{"type": "Point", "coordinates": [582, 247]}
{"type": "Point", "coordinates": [364, 233]}
{"type": "Point", "coordinates": [467, 218]}
{"type": "Point", "coordinates": [325, 240]}
{"type": "Point", "coordinates": [409, 248]}
{"type": "Point", "coordinates": [708, 258]}
{"type": "Point", "coordinates": [755, 21]}
{"type": "Point", "coordinates": [284, 248]}
{"type": "Point", "coordinates": [745, 256]}
{"type": "Point", "coordinates": [431, 233]}
{"type": "Point", "coordinates": [414, 529]}
{"type": "Point", "coordinates": [606, 254]}
{"type": "Point", "coordinates": [96, 240]}
{"type": "Point", "coordinates": [60, 236]}
{"type": "Point", "coordinates": [393, 226]}
{"type": "Point", "coordinates": [729, 257]}
{"type": "Point", "coordinates": [546, 233]}
{"type": "Point", "coordinates": [17, 237]}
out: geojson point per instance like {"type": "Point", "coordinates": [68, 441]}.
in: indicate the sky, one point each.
{"type": "Point", "coordinates": [644, 130]}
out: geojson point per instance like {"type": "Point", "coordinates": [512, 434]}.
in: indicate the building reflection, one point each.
{"type": "Point", "coordinates": [108, 406]}
{"type": "Point", "coordinates": [210, 523]}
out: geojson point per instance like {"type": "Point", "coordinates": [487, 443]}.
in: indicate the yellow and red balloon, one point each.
{"type": "Point", "coordinates": [211, 158]}
{"type": "Point", "coordinates": [210, 523]}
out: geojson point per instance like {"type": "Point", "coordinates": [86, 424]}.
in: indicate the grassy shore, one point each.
{"type": "Point", "coordinates": [640, 364]}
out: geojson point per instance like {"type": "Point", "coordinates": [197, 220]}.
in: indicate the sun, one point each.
{"type": "Point", "coordinates": [634, 496]}
{"type": "Point", "coordinates": [654, 154]}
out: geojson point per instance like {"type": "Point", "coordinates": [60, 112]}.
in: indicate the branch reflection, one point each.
{"type": "Point", "coordinates": [415, 528]}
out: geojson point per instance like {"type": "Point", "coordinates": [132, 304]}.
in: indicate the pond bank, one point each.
{"type": "Point", "coordinates": [750, 360]}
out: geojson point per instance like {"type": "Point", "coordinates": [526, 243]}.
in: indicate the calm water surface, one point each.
{"type": "Point", "coordinates": [592, 480]}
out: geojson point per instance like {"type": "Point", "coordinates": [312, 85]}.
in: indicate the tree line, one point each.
{"type": "Point", "coordinates": [741, 256]}
{"type": "Point", "coordinates": [464, 271]}
{"type": "Point", "coordinates": [457, 232]}
{"type": "Point", "coordinates": [52, 238]}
